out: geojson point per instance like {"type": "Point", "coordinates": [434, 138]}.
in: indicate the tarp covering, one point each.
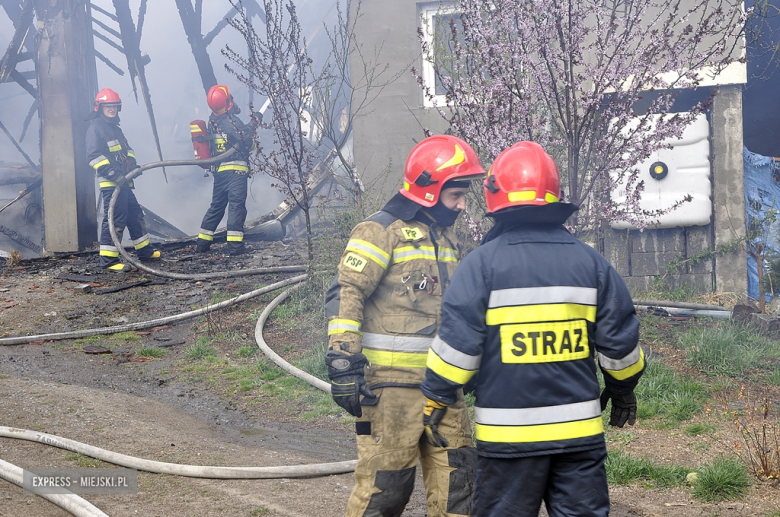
{"type": "Point", "coordinates": [762, 194]}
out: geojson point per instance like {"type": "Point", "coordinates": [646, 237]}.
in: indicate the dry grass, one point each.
{"type": "Point", "coordinates": [722, 299]}
{"type": "Point", "coordinates": [15, 259]}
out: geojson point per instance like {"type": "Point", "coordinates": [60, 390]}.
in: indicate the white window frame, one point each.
{"type": "Point", "coordinates": [426, 13]}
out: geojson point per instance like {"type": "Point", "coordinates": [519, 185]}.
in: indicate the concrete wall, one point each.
{"type": "Point", "coordinates": [728, 188]}
{"type": "Point", "coordinates": [64, 100]}
{"type": "Point", "coordinates": [384, 138]}
{"type": "Point", "coordinates": [642, 257]}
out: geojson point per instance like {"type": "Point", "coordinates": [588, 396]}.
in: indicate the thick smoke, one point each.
{"type": "Point", "coordinates": [177, 96]}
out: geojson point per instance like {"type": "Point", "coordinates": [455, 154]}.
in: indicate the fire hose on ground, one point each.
{"type": "Point", "coordinates": [77, 334]}
{"type": "Point", "coordinates": [81, 508]}
{"type": "Point", "coordinates": [68, 502]}
{"type": "Point", "coordinates": [166, 274]}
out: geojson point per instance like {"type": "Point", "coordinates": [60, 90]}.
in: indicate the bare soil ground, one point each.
{"type": "Point", "coordinates": [175, 409]}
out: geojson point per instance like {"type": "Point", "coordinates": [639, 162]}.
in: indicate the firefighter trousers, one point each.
{"type": "Point", "coordinates": [127, 213]}
{"type": "Point", "coordinates": [229, 188]}
{"type": "Point", "coordinates": [572, 484]}
{"type": "Point", "coordinates": [390, 442]}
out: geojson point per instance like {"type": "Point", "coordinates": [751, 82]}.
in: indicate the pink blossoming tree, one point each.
{"type": "Point", "coordinates": [568, 74]}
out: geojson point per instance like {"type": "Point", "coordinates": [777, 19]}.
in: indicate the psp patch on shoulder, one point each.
{"type": "Point", "coordinates": [355, 262]}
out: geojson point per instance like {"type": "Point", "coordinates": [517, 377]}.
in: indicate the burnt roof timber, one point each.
{"type": "Point", "coordinates": [11, 56]}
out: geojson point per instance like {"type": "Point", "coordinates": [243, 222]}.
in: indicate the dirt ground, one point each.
{"type": "Point", "coordinates": [153, 410]}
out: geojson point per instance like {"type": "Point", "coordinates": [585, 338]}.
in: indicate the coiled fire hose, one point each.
{"type": "Point", "coordinates": [181, 276]}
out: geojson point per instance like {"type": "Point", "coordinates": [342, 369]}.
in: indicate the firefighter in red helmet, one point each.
{"type": "Point", "coordinates": [112, 158]}
{"type": "Point", "coordinates": [383, 311]}
{"type": "Point", "coordinates": [528, 317]}
{"type": "Point", "coordinates": [230, 175]}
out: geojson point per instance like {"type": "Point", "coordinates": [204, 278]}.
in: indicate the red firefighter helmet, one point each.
{"type": "Point", "coordinates": [219, 99]}
{"type": "Point", "coordinates": [435, 161]}
{"type": "Point", "coordinates": [522, 175]}
{"type": "Point", "coordinates": [108, 97]}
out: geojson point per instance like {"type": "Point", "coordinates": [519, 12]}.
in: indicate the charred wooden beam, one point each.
{"type": "Point", "coordinates": [109, 41]}
{"type": "Point", "coordinates": [108, 63]}
{"type": "Point", "coordinates": [103, 11]}
{"type": "Point", "coordinates": [136, 63]}
{"type": "Point", "coordinates": [11, 56]}
{"type": "Point", "coordinates": [192, 27]}
{"type": "Point", "coordinates": [24, 83]}
{"type": "Point", "coordinates": [28, 119]}
{"type": "Point", "coordinates": [18, 147]}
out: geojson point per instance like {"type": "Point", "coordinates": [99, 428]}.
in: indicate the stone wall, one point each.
{"type": "Point", "coordinates": [643, 257]}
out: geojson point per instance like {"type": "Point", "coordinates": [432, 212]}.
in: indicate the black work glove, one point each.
{"type": "Point", "coordinates": [346, 380]}
{"type": "Point", "coordinates": [623, 407]}
{"type": "Point", "coordinates": [432, 414]}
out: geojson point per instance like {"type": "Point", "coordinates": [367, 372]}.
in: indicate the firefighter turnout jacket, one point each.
{"type": "Point", "coordinates": [385, 301]}
{"type": "Point", "coordinates": [228, 130]}
{"type": "Point", "coordinates": [108, 152]}
{"type": "Point", "coordinates": [230, 179]}
{"type": "Point", "coordinates": [529, 312]}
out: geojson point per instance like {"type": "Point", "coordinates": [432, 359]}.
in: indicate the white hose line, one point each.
{"type": "Point", "coordinates": [167, 274]}
{"type": "Point", "coordinates": [273, 356]}
{"type": "Point", "coordinates": [69, 502]}
{"type": "Point", "coordinates": [176, 469]}
{"type": "Point", "coordinates": [695, 313]}
{"type": "Point", "coordinates": [76, 334]}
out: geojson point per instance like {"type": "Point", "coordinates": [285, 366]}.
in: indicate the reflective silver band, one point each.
{"type": "Point", "coordinates": [356, 245]}
{"type": "Point", "coordinates": [105, 247]}
{"type": "Point", "coordinates": [141, 239]}
{"type": "Point", "coordinates": [543, 295]}
{"type": "Point", "coordinates": [538, 415]}
{"type": "Point", "coordinates": [233, 234]}
{"type": "Point", "coordinates": [236, 163]}
{"type": "Point", "coordinates": [396, 343]}
{"type": "Point", "coordinates": [206, 232]}
{"type": "Point", "coordinates": [448, 253]}
{"type": "Point", "coordinates": [97, 160]}
{"type": "Point", "coordinates": [619, 364]}
{"type": "Point", "coordinates": [455, 357]}
{"type": "Point", "coordinates": [415, 252]}
{"type": "Point", "coordinates": [111, 143]}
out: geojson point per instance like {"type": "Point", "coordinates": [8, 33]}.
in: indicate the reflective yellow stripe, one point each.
{"type": "Point", "coordinates": [448, 371]}
{"type": "Point", "coordinates": [109, 253]}
{"type": "Point", "coordinates": [370, 251]}
{"type": "Point", "coordinates": [115, 148]}
{"type": "Point", "coordinates": [539, 433]}
{"type": "Point", "coordinates": [101, 163]}
{"type": "Point", "coordinates": [408, 253]}
{"type": "Point", "coordinates": [141, 244]}
{"type": "Point", "coordinates": [235, 236]}
{"type": "Point", "coordinates": [397, 359]}
{"type": "Point", "coordinates": [223, 168]}
{"type": "Point", "coordinates": [448, 255]}
{"type": "Point", "coordinates": [130, 153]}
{"type": "Point", "coordinates": [337, 326]}
{"type": "Point", "coordinates": [629, 371]}
{"type": "Point", "coordinates": [533, 313]}
{"type": "Point", "coordinates": [105, 184]}
{"type": "Point", "coordinates": [205, 237]}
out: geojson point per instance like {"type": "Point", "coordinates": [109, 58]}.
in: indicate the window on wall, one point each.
{"type": "Point", "coordinates": [436, 21]}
